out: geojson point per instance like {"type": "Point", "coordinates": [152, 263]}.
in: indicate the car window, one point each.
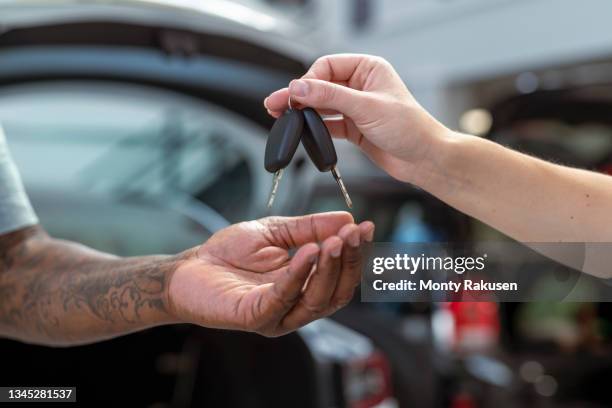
{"type": "Point", "coordinates": [128, 168]}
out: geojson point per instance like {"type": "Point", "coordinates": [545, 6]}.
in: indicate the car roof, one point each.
{"type": "Point", "coordinates": [220, 17]}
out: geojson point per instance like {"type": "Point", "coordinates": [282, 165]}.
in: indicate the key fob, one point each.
{"type": "Point", "coordinates": [283, 140]}
{"type": "Point", "coordinates": [317, 141]}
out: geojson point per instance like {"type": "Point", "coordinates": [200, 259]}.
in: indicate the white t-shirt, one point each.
{"type": "Point", "coordinates": [15, 209]}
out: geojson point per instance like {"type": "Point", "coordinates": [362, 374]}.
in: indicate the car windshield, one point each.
{"type": "Point", "coordinates": [125, 157]}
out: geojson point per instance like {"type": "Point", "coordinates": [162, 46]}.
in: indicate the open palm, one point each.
{"type": "Point", "coordinates": [245, 276]}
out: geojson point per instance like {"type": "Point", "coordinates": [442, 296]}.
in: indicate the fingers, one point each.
{"type": "Point", "coordinates": [286, 291]}
{"type": "Point", "coordinates": [366, 230]}
{"type": "Point", "coordinates": [333, 283]}
{"type": "Point", "coordinates": [315, 299]}
{"type": "Point", "coordinates": [320, 94]}
{"type": "Point", "coordinates": [322, 282]}
{"type": "Point", "coordinates": [287, 305]}
{"type": "Point", "coordinates": [277, 102]}
{"type": "Point", "coordinates": [293, 232]}
{"type": "Point", "coordinates": [353, 236]}
{"type": "Point", "coordinates": [336, 82]}
{"type": "Point", "coordinates": [337, 129]}
{"type": "Point", "coordinates": [341, 67]}
{"type": "Point", "coordinates": [347, 70]}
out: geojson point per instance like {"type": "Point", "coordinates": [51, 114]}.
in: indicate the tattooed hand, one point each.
{"type": "Point", "coordinates": [62, 293]}
{"type": "Point", "coordinates": [244, 277]}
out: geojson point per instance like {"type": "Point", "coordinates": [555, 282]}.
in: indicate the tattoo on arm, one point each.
{"type": "Point", "coordinates": [59, 292]}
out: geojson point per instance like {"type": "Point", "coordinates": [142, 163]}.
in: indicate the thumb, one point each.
{"type": "Point", "coordinates": [320, 94]}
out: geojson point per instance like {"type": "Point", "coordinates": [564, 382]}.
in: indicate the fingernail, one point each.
{"type": "Point", "coordinates": [298, 88]}
{"type": "Point", "coordinates": [353, 240]}
{"type": "Point", "coordinates": [370, 235]}
{"type": "Point", "coordinates": [266, 104]}
{"type": "Point", "coordinates": [336, 252]}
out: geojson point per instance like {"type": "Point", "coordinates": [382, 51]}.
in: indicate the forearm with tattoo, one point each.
{"type": "Point", "coordinates": [59, 292]}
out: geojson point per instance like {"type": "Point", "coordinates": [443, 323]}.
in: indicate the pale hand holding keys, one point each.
{"type": "Point", "coordinates": [380, 114]}
{"type": "Point", "coordinates": [530, 200]}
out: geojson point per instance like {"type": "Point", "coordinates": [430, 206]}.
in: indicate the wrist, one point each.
{"type": "Point", "coordinates": [191, 267]}
{"type": "Point", "coordinates": [441, 165]}
{"type": "Point", "coordinates": [181, 261]}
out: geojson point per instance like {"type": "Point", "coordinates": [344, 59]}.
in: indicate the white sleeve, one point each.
{"type": "Point", "coordinates": [15, 209]}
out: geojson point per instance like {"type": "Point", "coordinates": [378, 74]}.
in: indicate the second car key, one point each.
{"type": "Point", "coordinates": [282, 143]}
{"type": "Point", "coordinates": [319, 145]}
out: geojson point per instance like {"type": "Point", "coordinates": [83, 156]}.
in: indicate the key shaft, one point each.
{"type": "Point", "coordinates": [278, 175]}
{"type": "Point", "coordinates": [319, 145]}
{"type": "Point", "coordinates": [347, 198]}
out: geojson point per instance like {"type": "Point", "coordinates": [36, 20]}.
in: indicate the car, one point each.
{"type": "Point", "coordinates": [138, 128]}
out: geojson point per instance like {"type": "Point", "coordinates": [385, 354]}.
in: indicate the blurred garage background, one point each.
{"type": "Point", "coordinates": [138, 127]}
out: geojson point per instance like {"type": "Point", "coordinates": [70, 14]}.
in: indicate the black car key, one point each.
{"type": "Point", "coordinates": [282, 143]}
{"type": "Point", "coordinates": [319, 145]}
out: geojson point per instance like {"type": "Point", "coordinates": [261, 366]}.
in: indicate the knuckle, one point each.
{"type": "Point", "coordinates": [381, 61]}
{"type": "Point", "coordinates": [328, 93]}
{"type": "Point", "coordinates": [265, 330]}
{"type": "Point", "coordinates": [318, 67]}
{"type": "Point", "coordinates": [263, 333]}
{"type": "Point", "coordinates": [287, 302]}
{"type": "Point", "coordinates": [321, 60]}
{"type": "Point", "coordinates": [353, 261]}
{"type": "Point", "coordinates": [244, 224]}
{"type": "Point", "coordinates": [268, 221]}
{"type": "Point", "coordinates": [319, 93]}
{"type": "Point", "coordinates": [267, 334]}
{"type": "Point", "coordinates": [278, 229]}
{"type": "Point", "coordinates": [344, 299]}
{"type": "Point", "coordinates": [342, 302]}
{"type": "Point", "coordinates": [315, 309]}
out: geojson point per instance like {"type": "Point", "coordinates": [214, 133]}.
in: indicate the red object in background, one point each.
{"type": "Point", "coordinates": [463, 400]}
{"type": "Point", "coordinates": [368, 381]}
{"type": "Point", "coordinates": [476, 325]}
{"type": "Point", "coordinates": [607, 169]}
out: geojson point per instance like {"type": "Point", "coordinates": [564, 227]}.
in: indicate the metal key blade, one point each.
{"type": "Point", "coordinates": [336, 173]}
{"type": "Point", "coordinates": [277, 178]}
